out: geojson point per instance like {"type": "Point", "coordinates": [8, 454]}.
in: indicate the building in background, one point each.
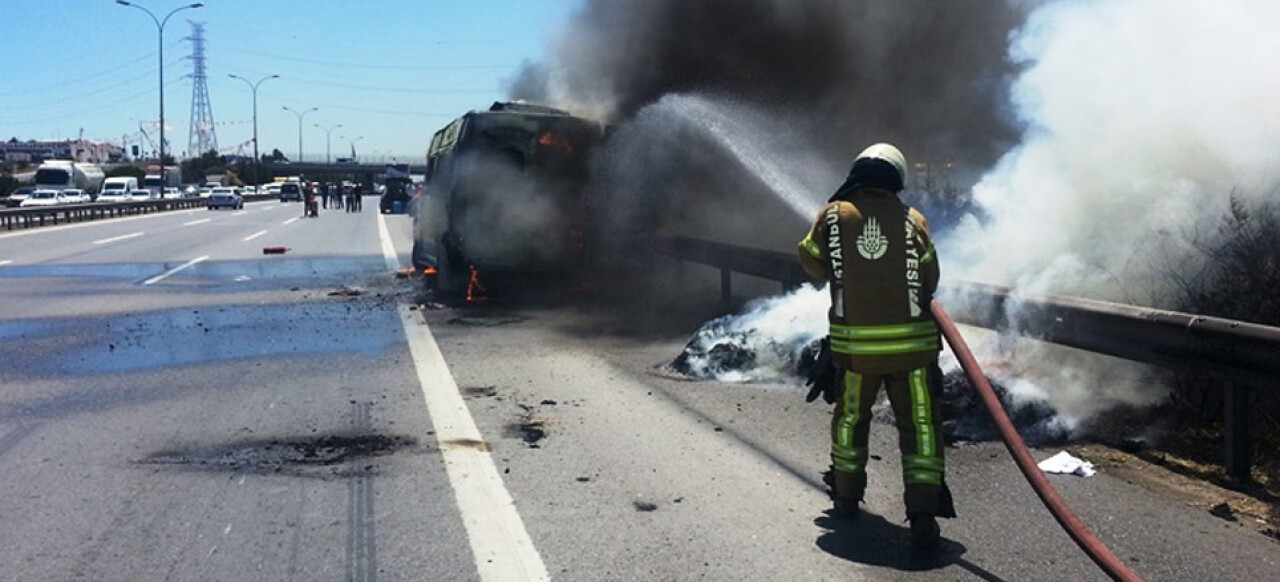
{"type": "Point", "coordinates": [34, 152]}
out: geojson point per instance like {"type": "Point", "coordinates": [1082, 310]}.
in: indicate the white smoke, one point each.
{"type": "Point", "coordinates": [1142, 118]}
{"type": "Point", "coordinates": [763, 342]}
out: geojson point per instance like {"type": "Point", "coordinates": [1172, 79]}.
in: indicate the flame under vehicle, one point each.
{"type": "Point", "coordinates": [504, 198]}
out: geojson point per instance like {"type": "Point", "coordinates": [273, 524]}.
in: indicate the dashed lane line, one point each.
{"type": "Point", "coordinates": [240, 213]}
{"type": "Point", "coordinates": [195, 222]}
{"type": "Point", "coordinates": [175, 270]}
{"type": "Point", "coordinates": [254, 235]}
{"type": "Point", "coordinates": [118, 238]}
{"type": "Point", "coordinates": [500, 545]}
{"type": "Point", "coordinates": [290, 221]}
{"type": "Point", "coordinates": [6, 262]}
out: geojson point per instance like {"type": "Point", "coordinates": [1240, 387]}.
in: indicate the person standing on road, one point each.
{"type": "Point", "coordinates": [879, 261]}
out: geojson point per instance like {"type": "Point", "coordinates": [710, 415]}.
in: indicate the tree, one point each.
{"type": "Point", "coordinates": [7, 185]}
{"type": "Point", "coordinates": [275, 156]}
{"type": "Point", "coordinates": [195, 170]}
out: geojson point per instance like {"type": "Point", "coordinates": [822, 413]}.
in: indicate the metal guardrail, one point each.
{"type": "Point", "coordinates": [1245, 354]}
{"type": "Point", "coordinates": [37, 216]}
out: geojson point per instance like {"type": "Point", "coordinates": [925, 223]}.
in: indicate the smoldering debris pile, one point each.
{"type": "Point", "coordinates": [721, 352]}
{"type": "Point", "coordinates": [764, 343]}
{"type": "Point", "coordinates": [966, 418]}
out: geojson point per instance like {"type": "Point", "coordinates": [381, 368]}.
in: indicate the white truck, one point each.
{"type": "Point", "coordinates": [65, 174]}
{"type": "Point", "coordinates": [157, 179]}
{"type": "Point", "coordinates": [118, 189]}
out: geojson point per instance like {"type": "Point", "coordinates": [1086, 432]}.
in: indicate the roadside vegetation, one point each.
{"type": "Point", "coordinates": [1239, 280]}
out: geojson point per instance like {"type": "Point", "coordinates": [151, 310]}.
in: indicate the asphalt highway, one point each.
{"type": "Point", "coordinates": [177, 405]}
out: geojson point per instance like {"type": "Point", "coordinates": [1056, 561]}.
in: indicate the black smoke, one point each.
{"type": "Point", "coordinates": [706, 100]}
{"type": "Point", "coordinates": [929, 76]}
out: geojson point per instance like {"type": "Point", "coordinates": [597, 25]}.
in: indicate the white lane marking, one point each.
{"type": "Point", "coordinates": [171, 272]}
{"type": "Point", "coordinates": [254, 235]}
{"type": "Point", "coordinates": [500, 546]}
{"type": "Point", "coordinates": [5, 262]}
{"type": "Point", "coordinates": [271, 208]}
{"type": "Point", "coordinates": [388, 250]}
{"type": "Point", "coordinates": [290, 221]}
{"type": "Point", "coordinates": [239, 213]}
{"type": "Point", "coordinates": [40, 229]}
{"type": "Point", "coordinates": [195, 222]}
{"type": "Point", "coordinates": [116, 238]}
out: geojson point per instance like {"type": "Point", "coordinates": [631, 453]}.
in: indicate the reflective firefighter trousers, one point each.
{"type": "Point", "coordinates": [915, 397]}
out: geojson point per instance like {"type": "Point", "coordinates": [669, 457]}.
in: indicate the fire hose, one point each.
{"type": "Point", "coordinates": [1075, 528]}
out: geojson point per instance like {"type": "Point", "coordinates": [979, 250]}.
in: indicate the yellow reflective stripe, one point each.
{"type": "Point", "coordinates": [922, 478]}
{"type": "Point", "coordinates": [928, 255]}
{"type": "Point", "coordinates": [891, 331]}
{"type": "Point", "coordinates": [884, 347]}
{"type": "Point", "coordinates": [922, 414]}
{"type": "Point", "coordinates": [844, 456]}
{"type": "Point", "coordinates": [923, 463]}
{"type": "Point", "coordinates": [811, 247]}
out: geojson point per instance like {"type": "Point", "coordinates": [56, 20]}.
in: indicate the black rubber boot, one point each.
{"type": "Point", "coordinates": [925, 533]}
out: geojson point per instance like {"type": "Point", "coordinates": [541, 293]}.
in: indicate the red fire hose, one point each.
{"type": "Point", "coordinates": [1048, 495]}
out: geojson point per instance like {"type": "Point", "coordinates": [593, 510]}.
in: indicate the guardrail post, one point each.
{"type": "Point", "coordinates": [1238, 453]}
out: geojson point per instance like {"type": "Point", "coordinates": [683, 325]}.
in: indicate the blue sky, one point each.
{"type": "Point", "coordinates": [391, 72]}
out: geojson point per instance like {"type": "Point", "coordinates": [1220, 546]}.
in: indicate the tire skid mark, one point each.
{"type": "Point", "coordinates": [362, 555]}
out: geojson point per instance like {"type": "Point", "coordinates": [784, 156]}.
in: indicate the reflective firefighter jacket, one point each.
{"type": "Point", "coordinates": [877, 256]}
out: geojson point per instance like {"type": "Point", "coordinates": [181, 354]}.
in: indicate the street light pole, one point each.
{"type": "Point", "coordinates": [257, 159]}
{"type": "Point", "coordinates": [160, 30]}
{"type": "Point", "coordinates": [328, 152]}
{"type": "Point", "coordinates": [300, 116]}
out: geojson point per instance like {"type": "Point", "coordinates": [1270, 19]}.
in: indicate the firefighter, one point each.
{"type": "Point", "coordinates": [877, 257]}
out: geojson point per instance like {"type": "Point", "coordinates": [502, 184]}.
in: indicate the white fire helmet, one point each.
{"type": "Point", "coordinates": [888, 153]}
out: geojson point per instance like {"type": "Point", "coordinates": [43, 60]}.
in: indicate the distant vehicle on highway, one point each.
{"type": "Point", "coordinates": [44, 197]}
{"type": "Point", "coordinates": [157, 178]}
{"type": "Point", "coordinates": [63, 174]}
{"type": "Point", "coordinates": [19, 195]}
{"type": "Point", "coordinates": [142, 194]}
{"type": "Point", "coordinates": [271, 189]}
{"type": "Point", "coordinates": [225, 197]}
{"type": "Point", "coordinates": [290, 191]}
{"type": "Point", "coordinates": [74, 196]}
{"type": "Point", "coordinates": [113, 196]}
{"type": "Point", "coordinates": [117, 189]}
{"type": "Point", "coordinates": [171, 193]}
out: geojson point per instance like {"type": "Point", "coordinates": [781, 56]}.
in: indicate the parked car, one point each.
{"type": "Point", "coordinates": [43, 198]}
{"type": "Point", "coordinates": [74, 196]}
{"type": "Point", "coordinates": [113, 196]}
{"type": "Point", "coordinates": [19, 195]}
{"type": "Point", "coordinates": [226, 197]}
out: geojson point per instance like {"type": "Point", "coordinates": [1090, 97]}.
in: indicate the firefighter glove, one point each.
{"type": "Point", "coordinates": [822, 378]}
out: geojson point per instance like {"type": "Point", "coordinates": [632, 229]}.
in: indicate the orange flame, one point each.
{"type": "Point", "coordinates": [475, 290]}
{"type": "Point", "coordinates": [549, 139]}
